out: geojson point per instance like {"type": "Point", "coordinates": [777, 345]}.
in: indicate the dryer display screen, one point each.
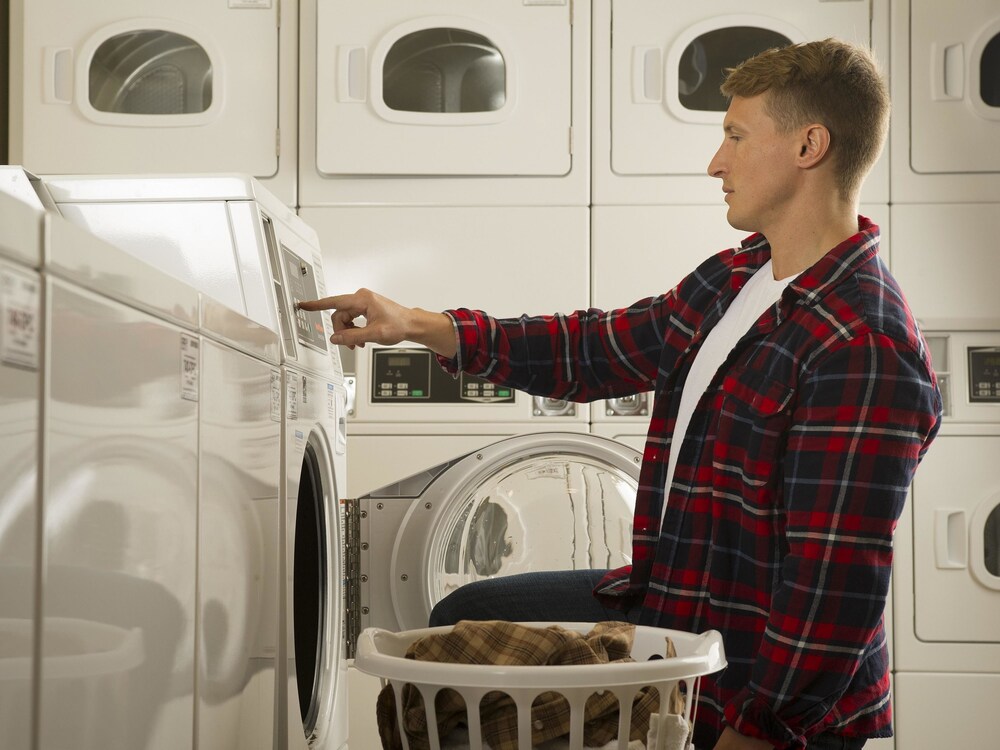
{"type": "Point", "coordinates": [301, 280]}
{"type": "Point", "coordinates": [984, 375]}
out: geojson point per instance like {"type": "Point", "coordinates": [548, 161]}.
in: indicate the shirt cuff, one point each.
{"type": "Point", "coordinates": [452, 364]}
{"type": "Point", "coordinates": [749, 714]}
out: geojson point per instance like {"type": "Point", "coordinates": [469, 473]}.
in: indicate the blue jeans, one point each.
{"type": "Point", "coordinates": [548, 596]}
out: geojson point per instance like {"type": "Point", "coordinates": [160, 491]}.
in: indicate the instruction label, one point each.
{"type": "Point", "coordinates": [20, 299]}
{"type": "Point", "coordinates": [293, 399]}
{"type": "Point", "coordinates": [189, 367]}
{"type": "Point", "coordinates": [275, 396]}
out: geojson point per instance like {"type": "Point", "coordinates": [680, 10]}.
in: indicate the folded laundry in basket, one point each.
{"type": "Point", "coordinates": [505, 643]}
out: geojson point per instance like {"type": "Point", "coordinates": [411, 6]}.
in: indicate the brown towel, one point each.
{"type": "Point", "coordinates": [506, 643]}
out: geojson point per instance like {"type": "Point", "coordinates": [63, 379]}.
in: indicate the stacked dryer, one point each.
{"type": "Point", "coordinates": [445, 163]}
{"type": "Point", "coordinates": [273, 449]}
{"type": "Point", "coordinates": [135, 86]}
{"type": "Point", "coordinates": [945, 193]}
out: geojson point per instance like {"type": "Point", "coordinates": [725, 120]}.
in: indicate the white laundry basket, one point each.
{"type": "Point", "coordinates": [382, 653]}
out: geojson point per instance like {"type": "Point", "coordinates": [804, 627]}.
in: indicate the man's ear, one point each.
{"type": "Point", "coordinates": [814, 144]}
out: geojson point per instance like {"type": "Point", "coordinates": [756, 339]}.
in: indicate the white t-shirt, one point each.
{"type": "Point", "coordinates": [757, 295]}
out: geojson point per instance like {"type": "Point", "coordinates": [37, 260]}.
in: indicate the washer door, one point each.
{"type": "Point", "coordinates": [548, 501]}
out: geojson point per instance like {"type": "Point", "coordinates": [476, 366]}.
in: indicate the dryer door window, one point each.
{"type": "Point", "coordinates": [701, 68]}
{"type": "Point", "coordinates": [668, 60]}
{"type": "Point", "coordinates": [150, 72]}
{"type": "Point", "coordinates": [989, 73]}
{"type": "Point", "coordinates": [444, 70]}
{"type": "Point", "coordinates": [451, 89]}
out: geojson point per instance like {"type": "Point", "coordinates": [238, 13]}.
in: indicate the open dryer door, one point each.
{"type": "Point", "coordinates": [545, 501]}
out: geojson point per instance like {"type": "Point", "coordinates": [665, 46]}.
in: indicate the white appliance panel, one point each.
{"type": "Point", "coordinates": [238, 550]}
{"type": "Point", "coordinates": [129, 87]}
{"type": "Point", "coordinates": [21, 328]}
{"type": "Point", "coordinates": [199, 250]}
{"type": "Point", "coordinates": [943, 257]}
{"type": "Point", "coordinates": [120, 517]}
{"type": "Point", "coordinates": [447, 257]}
{"type": "Point", "coordinates": [454, 103]}
{"type": "Point", "coordinates": [657, 67]}
{"type": "Point", "coordinates": [954, 77]}
{"type": "Point", "coordinates": [935, 710]}
{"type": "Point", "coordinates": [644, 251]}
{"type": "Point", "coordinates": [471, 88]}
{"type": "Point", "coordinates": [957, 541]}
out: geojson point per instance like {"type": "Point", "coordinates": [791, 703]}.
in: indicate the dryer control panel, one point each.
{"type": "Point", "coordinates": [410, 375]}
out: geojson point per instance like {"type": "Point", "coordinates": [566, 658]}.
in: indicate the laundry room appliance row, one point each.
{"type": "Point", "coordinates": [475, 102]}
{"type": "Point", "coordinates": [174, 535]}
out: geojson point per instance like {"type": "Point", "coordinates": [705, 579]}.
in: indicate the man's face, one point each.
{"type": "Point", "coordinates": [756, 164]}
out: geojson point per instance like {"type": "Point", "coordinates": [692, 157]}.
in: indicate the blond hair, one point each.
{"type": "Point", "coordinates": [836, 84]}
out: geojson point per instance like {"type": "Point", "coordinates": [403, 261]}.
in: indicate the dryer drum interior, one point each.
{"type": "Point", "coordinates": [310, 590]}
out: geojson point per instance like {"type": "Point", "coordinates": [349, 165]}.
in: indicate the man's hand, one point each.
{"type": "Point", "coordinates": [733, 740]}
{"type": "Point", "coordinates": [388, 322]}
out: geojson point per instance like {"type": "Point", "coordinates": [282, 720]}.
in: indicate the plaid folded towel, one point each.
{"type": "Point", "coordinates": [506, 643]}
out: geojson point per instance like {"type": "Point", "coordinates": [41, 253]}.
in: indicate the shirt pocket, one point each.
{"type": "Point", "coordinates": [752, 431]}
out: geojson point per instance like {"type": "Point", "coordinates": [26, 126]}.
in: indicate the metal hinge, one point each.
{"type": "Point", "coordinates": [352, 576]}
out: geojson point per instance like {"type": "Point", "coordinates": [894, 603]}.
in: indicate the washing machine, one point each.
{"type": "Point", "coordinates": [947, 569]}
{"type": "Point", "coordinates": [246, 251]}
{"type": "Point", "coordinates": [146, 87]}
{"type": "Point", "coordinates": [946, 64]}
{"type": "Point", "coordinates": [118, 605]}
{"type": "Point", "coordinates": [459, 102]}
{"type": "Point", "coordinates": [21, 369]}
{"type": "Point", "coordinates": [657, 67]}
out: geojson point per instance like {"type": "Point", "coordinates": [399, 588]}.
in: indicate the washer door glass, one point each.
{"type": "Point", "coordinates": [550, 511]}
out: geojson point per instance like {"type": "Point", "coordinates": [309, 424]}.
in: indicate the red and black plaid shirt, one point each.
{"type": "Point", "coordinates": [796, 465]}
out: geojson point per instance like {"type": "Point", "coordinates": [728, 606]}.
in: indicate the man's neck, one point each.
{"type": "Point", "coordinates": [802, 237]}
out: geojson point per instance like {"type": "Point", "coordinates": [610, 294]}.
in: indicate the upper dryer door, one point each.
{"type": "Point", "coordinates": [544, 501]}
{"type": "Point", "coordinates": [449, 87]}
{"type": "Point", "coordinates": [955, 86]}
{"type": "Point", "coordinates": [121, 87]}
{"type": "Point", "coordinates": [668, 61]}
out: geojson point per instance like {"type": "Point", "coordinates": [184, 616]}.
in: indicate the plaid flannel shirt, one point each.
{"type": "Point", "coordinates": [788, 487]}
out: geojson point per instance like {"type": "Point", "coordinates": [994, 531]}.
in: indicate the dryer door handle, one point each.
{"type": "Point", "coordinates": [951, 549]}
{"type": "Point", "coordinates": [57, 75]}
{"type": "Point", "coordinates": [948, 78]}
{"type": "Point", "coordinates": [647, 75]}
{"type": "Point", "coordinates": [352, 83]}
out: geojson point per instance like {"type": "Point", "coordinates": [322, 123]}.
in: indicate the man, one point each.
{"type": "Point", "coordinates": [794, 400]}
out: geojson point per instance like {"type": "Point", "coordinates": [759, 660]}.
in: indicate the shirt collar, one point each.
{"type": "Point", "coordinates": [811, 285]}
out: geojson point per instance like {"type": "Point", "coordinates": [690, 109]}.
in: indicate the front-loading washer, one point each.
{"type": "Point", "coordinates": [243, 248]}
{"type": "Point", "coordinates": [21, 367]}
{"type": "Point", "coordinates": [118, 519]}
